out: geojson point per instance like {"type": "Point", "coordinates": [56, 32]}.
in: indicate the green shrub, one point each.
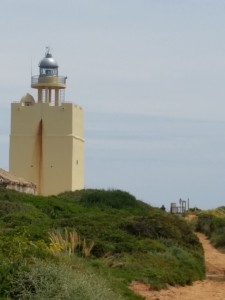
{"type": "Point", "coordinates": [163, 227]}
{"type": "Point", "coordinates": [114, 199]}
{"type": "Point", "coordinates": [218, 238]}
{"type": "Point", "coordinates": [186, 268]}
{"type": "Point", "coordinates": [6, 274]}
{"type": "Point", "coordinates": [132, 241]}
{"type": "Point", "coordinates": [7, 207]}
{"type": "Point", "coordinates": [213, 225]}
{"type": "Point", "coordinates": [44, 281]}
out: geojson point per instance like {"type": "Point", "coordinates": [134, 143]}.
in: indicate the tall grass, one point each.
{"type": "Point", "coordinates": [69, 242]}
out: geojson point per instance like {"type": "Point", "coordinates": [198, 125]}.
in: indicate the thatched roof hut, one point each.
{"type": "Point", "coordinates": [12, 182]}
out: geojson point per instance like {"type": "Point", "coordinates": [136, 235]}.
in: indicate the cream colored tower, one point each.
{"type": "Point", "coordinates": [47, 136]}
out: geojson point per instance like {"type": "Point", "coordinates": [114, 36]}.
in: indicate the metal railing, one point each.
{"type": "Point", "coordinates": [56, 79]}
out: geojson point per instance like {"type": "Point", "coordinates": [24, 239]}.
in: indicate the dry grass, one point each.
{"type": "Point", "coordinates": [86, 248]}
{"type": "Point", "coordinates": [69, 242]}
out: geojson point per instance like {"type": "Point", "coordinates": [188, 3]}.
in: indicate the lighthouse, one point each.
{"type": "Point", "coordinates": [47, 134]}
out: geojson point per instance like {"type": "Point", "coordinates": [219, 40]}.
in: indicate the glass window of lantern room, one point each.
{"type": "Point", "coordinates": [49, 72]}
{"type": "Point", "coordinates": [54, 72]}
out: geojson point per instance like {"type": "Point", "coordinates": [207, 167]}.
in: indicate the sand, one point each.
{"type": "Point", "coordinates": [213, 288]}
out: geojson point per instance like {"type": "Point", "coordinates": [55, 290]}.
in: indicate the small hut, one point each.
{"type": "Point", "coordinates": [12, 182]}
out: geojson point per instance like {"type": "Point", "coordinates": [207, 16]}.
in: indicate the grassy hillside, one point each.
{"type": "Point", "coordinates": [90, 245]}
{"type": "Point", "coordinates": [212, 223]}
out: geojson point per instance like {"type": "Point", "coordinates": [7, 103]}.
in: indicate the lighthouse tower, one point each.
{"type": "Point", "coordinates": [47, 138]}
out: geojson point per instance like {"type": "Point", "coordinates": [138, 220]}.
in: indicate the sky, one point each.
{"type": "Point", "coordinates": [150, 77]}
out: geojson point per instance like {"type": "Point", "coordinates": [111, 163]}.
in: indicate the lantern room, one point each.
{"type": "Point", "coordinates": [50, 86]}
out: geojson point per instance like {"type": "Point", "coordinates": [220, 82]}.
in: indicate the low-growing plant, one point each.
{"type": "Point", "coordinates": [44, 280]}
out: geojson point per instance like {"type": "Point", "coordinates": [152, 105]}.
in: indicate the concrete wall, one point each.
{"type": "Point", "coordinates": [25, 142]}
{"type": "Point", "coordinates": [47, 146]}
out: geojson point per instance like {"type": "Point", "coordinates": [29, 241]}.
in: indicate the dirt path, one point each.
{"type": "Point", "coordinates": [214, 260]}
{"type": "Point", "coordinates": [212, 288]}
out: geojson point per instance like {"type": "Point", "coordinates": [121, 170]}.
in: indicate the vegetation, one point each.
{"type": "Point", "coordinates": [90, 245]}
{"type": "Point", "coordinates": [212, 224]}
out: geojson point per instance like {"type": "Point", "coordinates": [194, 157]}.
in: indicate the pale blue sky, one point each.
{"type": "Point", "coordinates": [150, 76]}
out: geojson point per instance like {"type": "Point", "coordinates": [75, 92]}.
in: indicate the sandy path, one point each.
{"type": "Point", "coordinates": [214, 260]}
{"type": "Point", "coordinates": [206, 289]}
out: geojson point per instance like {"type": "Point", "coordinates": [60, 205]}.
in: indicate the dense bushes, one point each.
{"type": "Point", "coordinates": [113, 199]}
{"type": "Point", "coordinates": [182, 263]}
{"type": "Point", "coordinates": [131, 239]}
{"type": "Point", "coordinates": [161, 226]}
{"type": "Point", "coordinates": [212, 223]}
